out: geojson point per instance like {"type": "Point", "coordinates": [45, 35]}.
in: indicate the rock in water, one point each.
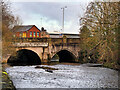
{"type": "Point", "coordinates": [48, 70]}
{"type": "Point", "coordinates": [38, 67]}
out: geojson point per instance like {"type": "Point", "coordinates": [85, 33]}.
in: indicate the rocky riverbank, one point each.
{"type": "Point", "coordinates": [7, 84]}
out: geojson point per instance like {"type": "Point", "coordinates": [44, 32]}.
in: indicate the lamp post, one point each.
{"type": "Point", "coordinates": [63, 18]}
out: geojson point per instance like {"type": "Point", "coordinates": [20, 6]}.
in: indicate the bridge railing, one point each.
{"type": "Point", "coordinates": [31, 44]}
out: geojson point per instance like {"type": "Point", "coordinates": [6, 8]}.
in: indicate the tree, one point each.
{"type": "Point", "coordinates": [8, 22]}
{"type": "Point", "coordinates": [102, 19]}
{"type": "Point", "coordinates": [84, 36]}
{"type": "Point", "coordinates": [86, 44]}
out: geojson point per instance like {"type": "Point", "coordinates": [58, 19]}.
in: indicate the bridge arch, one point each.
{"type": "Point", "coordinates": [24, 57]}
{"type": "Point", "coordinates": [65, 55]}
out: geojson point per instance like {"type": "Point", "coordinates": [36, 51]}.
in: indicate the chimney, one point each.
{"type": "Point", "coordinates": [42, 29]}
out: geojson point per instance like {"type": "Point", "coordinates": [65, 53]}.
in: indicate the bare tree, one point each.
{"type": "Point", "coordinates": [8, 22]}
{"type": "Point", "coordinates": [102, 19]}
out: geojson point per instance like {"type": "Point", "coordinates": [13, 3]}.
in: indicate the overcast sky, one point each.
{"type": "Point", "coordinates": [49, 14]}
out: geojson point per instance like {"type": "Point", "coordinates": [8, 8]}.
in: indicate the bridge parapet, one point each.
{"type": "Point", "coordinates": [31, 44]}
{"type": "Point", "coordinates": [50, 40]}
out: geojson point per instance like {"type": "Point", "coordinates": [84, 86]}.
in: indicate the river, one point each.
{"type": "Point", "coordinates": [67, 76]}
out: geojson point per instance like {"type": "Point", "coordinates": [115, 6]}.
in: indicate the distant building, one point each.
{"type": "Point", "coordinates": [44, 33]}
{"type": "Point", "coordinates": [31, 31]}
{"type": "Point", "coordinates": [27, 31]}
{"type": "Point", "coordinates": [61, 35]}
{"type": "Point", "coordinates": [55, 35]}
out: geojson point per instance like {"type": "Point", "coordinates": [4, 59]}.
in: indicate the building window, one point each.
{"type": "Point", "coordinates": [34, 34]}
{"type": "Point", "coordinates": [30, 34]}
{"type": "Point", "coordinates": [37, 34]}
{"type": "Point", "coordinates": [24, 34]}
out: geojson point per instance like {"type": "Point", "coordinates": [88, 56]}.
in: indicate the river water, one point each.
{"type": "Point", "coordinates": [67, 76]}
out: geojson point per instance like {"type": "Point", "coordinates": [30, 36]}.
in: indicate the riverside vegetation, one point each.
{"type": "Point", "coordinates": [99, 34]}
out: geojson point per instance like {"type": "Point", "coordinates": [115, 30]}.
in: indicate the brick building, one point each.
{"type": "Point", "coordinates": [31, 31]}
{"type": "Point", "coordinates": [44, 33]}
{"type": "Point", "coordinates": [27, 31]}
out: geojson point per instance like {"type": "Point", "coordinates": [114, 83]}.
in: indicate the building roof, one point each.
{"type": "Point", "coordinates": [65, 33]}
{"type": "Point", "coordinates": [22, 28]}
{"type": "Point", "coordinates": [60, 34]}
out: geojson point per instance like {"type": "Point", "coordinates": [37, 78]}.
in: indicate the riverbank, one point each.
{"type": "Point", "coordinates": [7, 84]}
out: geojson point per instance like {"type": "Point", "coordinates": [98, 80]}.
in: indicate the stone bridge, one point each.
{"type": "Point", "coordinates": [46, 48]}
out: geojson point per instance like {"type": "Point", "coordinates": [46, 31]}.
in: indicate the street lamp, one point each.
{"type": "Point", "coordinates": [63, 17]}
